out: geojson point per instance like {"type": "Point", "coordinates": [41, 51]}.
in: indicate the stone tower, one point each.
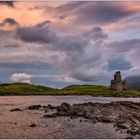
{"type": "Point", "coordinates": [117, 83]}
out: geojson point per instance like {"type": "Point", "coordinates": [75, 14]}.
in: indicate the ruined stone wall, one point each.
{"type": "Point", "coordinates": [117, 83]}
{"type": "Point", "coordinates": [117, 76]}
{"type": "Point", "coordinates": [125, 86]}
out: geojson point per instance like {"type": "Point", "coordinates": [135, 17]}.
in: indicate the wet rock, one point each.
{"type": "Point", "coordinates": [94, 120]}
{"type": "Point", "coordinates": [132, 132]}
{"type": "Point", "coordinates": [34, 107]}
{"type": "Point", "coordinates": [62, 113]}
{"type": "Point", "coordinates": [32, 125]}
{"type": "Point", "coordinates": [104, 120]}
{"type": "Point", "coordinates": [120, 126]}
{"type": "Point", "coordinates": [51, 106]}
{"type": "Point", "coordinates": [80, 120]}
{"type": "Point", "coordinates": [16, 109]}
{"type": "Point", "coordinates": [125, 115]}
{"type": "Point", "coordinates": [46, 110]}
{"type": "Point", "coordinates": [44, 106]}
{"type": "Point", "coordinates": [86, 120]}
{"type": "Point", "coordinates": [64, 107]}
{"type": "Point", "coordinates": [129, 138]}
{"type": "Point", "coordinates": [50, 115]}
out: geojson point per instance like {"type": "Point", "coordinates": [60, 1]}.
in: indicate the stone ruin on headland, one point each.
{"type": "Point", "coordinates": [118, 83]}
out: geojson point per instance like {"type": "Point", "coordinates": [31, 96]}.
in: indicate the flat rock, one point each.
{"type": "Point", "coordinates": [16, 109]}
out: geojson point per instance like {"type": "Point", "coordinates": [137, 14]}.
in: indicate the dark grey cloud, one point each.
{"type": "Point", "coordinates": [28, 66]}
{"type": "Point", "coordinates": [43, 33]}
{"type": "Point", "coordinates": [96, 34]}
{"type": "Point", "coordinates": [39, 33]}
{"type": "Point", "coordinates": [95, 12]}
{"type": "Point", "coordinates": [8, 3]}
{"type": "Point", "coordinates": [9, 21]}
{"type": "Point", "coordinates": [125, 45]}
{"type": "Point", "coordinates": [11, 46]}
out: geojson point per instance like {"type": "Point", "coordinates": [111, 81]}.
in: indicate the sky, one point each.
{"type": "Point", "coordinates": [62, 43]}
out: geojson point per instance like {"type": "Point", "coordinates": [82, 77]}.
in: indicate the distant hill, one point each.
{"type": "Point", "coordinates": [23, 89]}
{"type": "Point", "coordinates": [134, 82]}
{"type": "Point", "coordinates": [93, 90]}
{"type": "Point", "coordinates": [135, 86]}
{"type": "Point", "coordinates": [98, 90]}
{"type": "Point", "coordinates": [133, 79]}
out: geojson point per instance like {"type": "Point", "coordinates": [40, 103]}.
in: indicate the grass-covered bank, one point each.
{"type": "Point", "coordinates": [93, 90]}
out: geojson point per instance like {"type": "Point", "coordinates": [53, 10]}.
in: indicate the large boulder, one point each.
{"type": "Point", "coordinates": [64, 107]}
{"type": "Point", "coordinates": [34, 107]}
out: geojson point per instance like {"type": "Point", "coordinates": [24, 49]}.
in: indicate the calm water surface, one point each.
{"type": "Point", "coordinates": [57, 100]}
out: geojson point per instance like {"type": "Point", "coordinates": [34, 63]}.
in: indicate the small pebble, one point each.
{"type": "Point", "coordinates": [80, 120]}
{"type": "Point", "coordinates": [33, 125]}
{"type": "Point", "coordinates": [129, 138]}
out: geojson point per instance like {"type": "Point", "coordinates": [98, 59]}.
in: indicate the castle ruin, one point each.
{"type": "Point", "coordinates": [117, 83]}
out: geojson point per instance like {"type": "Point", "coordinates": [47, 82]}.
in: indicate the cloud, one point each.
{"type": "Point", "coordinates": [38, 33]}
{"type": "Point", "coordinates": [96, 33]}
{"type": "Point", "coordinates": [70, 6]}
{"type": "Point", "coordinates": [125, 45]}
{"type": "Point", "coordinates": [8, 3]}
{"type": "Point", "coordinates": [11, 46]}
{"type": "Point", "coordinates": [94, 12]}
{"type": "Point", "coordinates": [77, 56]}
{"type": "Point", "coordinates": [78, 46]}
{"type": "Point", "coordinates": [88, 56]}
{"type": "Point", "coordinates": [56, 77]}
{"type": "Point", "coordinates": [43, 33]}
{"type": "Point", "coordinates": [9, 21]}
{"type": "Point", "coordinates": [21, 78]}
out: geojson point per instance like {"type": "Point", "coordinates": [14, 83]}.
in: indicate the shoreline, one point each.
{"type": "Point", "coordinates": [68, 95]}
{"type": "Point", "coordinates": [52, 117]}
{"type": "Point", "coordinates": [98, 120]}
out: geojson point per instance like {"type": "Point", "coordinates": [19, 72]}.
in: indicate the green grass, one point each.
{"type": "Point", "coordinates": [96, 90]}
{"type": "Point", "coordinates": [24, 89]}
{"type": "Point", "coordinates": [93, 90]}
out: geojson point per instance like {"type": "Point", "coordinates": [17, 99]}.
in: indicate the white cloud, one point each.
{"type": "Point", "coordinates": [21, 78]}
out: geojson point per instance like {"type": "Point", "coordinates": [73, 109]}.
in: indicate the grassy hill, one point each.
{"type": "Point", "coordinates": [97, 90]}
{"type": "Point", "coordinates": [93, 90]}
{"type": "Point", "coordinates": [24, 89]}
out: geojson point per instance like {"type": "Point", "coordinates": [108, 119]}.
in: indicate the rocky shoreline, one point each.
{"type": "Point", "coordinates": [124, 115]}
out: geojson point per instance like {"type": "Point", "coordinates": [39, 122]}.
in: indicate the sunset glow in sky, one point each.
{"type": "Point", "coordinates": [61, 43]}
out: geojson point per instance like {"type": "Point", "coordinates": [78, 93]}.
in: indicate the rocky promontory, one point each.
{"type": "Point", "coordinates": [124, 115]}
